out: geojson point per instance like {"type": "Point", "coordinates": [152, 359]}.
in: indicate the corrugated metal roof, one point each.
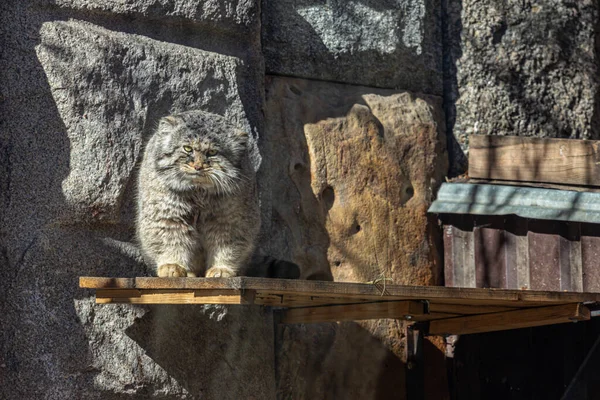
{"type": "Point", "coordinates": [549, 204]}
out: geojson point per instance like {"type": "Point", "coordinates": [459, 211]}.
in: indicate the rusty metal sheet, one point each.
{"type": "Point", "coordinates": [490, 253]}
{"type": "Point", "coordinates": [590, 256]}
{"type": "Point", "coordinates": [517, 253]}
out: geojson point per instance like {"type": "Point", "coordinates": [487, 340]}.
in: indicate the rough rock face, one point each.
{"type": "Point", "coordinates": [80, 92]}
{"type": "Point", "coordinates": [356, 171]}
{"type": "Point", "coordinates": [234, 15]}
{"type": "Point", "coordinates": [521, 68]}
{"type": "Point", "coordinates": [109, 88]}
{"type": "Point", "coordinates": [382, 43]}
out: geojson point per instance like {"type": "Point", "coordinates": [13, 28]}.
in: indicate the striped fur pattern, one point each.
{"type": "Point", "coordinates": [198, 210]}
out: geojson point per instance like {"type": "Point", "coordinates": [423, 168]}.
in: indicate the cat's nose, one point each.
{"type": "Point", "coordinates": [198, 167]}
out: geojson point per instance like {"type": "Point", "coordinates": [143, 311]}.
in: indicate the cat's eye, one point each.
{"type": "Point", "coordinates": [187, 149]}
{"type": "Point", "coordinates": [211, 152]}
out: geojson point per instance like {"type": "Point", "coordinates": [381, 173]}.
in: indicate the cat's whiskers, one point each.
{"type": "Point", "coordinates": [226, 181]}
{"type": "Point", "coordinates": [216, 180]}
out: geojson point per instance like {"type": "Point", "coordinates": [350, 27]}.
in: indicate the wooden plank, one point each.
{"type": "Point", "coordinates": [165, 296]}
{"type": "Point", "coordinates": [511, 241]}
{"type": "Point", "coordinates": [533, 185]}
{"type": "Point", "coordinates": [466, 309]}
{"type": "Point", "coordinates": [524, 318]}
{"type": "Point", "coordinates": [354, 312]}
{"type": "Point", "coordinates": [522, 243]}
{"type": "Point", "coordinates": [489, 243]}
{"type": "Point", "coordinates": [432, 316]}
{"type": "Point", "coordinates": [449, 255]}
{"type": "Point", "coordinates": [564, 161]}
{"type": "Point", "coordinates": [89, 282]}
{"type": "Point", "coordinates": [544, 255]}
{"type": "Point", "coordinates": [575, 259]}
{"type": "Point", "coordinates": [463, 248]}
{"type": "Point", "coordinates": [590, 254]}
{"type": "Point", "coordinates": [293, 300]}
{"type": "Point", "coordinates": [365, 292]}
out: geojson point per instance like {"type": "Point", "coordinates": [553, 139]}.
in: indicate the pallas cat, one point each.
{"type": "Point", "coordinates": [198, 210]}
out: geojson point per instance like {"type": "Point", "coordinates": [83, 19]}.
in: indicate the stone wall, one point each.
{"type": "Point", "coordinates": [348, 104]}
{"type": "Point", "coordinates": [83, 86]}
{"type": "Point", "coordinates": [527, 68]}
{"type": "Point", "coordinates": [378, 43]}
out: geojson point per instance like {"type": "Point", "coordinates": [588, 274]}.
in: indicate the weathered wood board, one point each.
{"type": "Point", "coordinates": [513, 158]}
{"type": "Point", "coordinates": [448, 309]}
{"type": "Point", "coordinates": [515, 319]}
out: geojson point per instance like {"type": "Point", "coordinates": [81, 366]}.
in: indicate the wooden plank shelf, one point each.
{"type": "Point", "coordinates": [513, 158]}
{"type": "Point", "coordinates": [447, 310]}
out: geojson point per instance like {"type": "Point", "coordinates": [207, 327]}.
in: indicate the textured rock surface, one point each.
{"type": "Point", "coordinates": [521, 68]}
{"type": "Point", "coordinates": [383, 43]}
{"type": "Point", "coordinates": [341, 361]}
{"type": "Point", "coordinates": [235, 14]}
{"type": "Point", "coordinates": [356, 169]}
{"type": "Point", "coordinates": [80, 92]}
{"type": "Point", "coordinates": [109, 88]}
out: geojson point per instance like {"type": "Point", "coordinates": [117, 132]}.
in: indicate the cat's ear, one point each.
{"type": "Point", "coordinates": [168, 122]}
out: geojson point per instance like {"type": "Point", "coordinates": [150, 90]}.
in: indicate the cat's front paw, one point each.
{"type": "Point", "coordinates": [219, 272]}
{"type": "Point", "coordinates": [172, 271]}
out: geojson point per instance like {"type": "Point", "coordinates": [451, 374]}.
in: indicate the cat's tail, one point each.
{"type": "Point", "coordinates": [270, 267]}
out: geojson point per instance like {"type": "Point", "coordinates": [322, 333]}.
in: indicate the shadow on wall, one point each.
{"type": "Point", "coordinates": [351, 360]}
{"type": "Point", "coordinates": [339, 362]}
{"type": "Point", "coordinates": [43, 256]}
{"type": "Point", "coordinates": [212, 351]}
{"type": "Point", "coordinates": [519, 69]}
{"type": "Point", "coordinates": [452, 52]}
{"type": "Point", "coordinates": [49, 243]}
{"type": "Point", "coordinates": [359, 42]}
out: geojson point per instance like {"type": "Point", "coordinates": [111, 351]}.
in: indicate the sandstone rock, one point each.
{"type": "Point", "coordinates": [353, 172]}
{"type": "Point", "coordinates": [383, 43]}
{"type": "Point", "coordinates": [519, 68]}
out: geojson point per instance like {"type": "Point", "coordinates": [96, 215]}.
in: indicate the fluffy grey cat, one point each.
{"type": "Point", "coordinates": [197, 206]}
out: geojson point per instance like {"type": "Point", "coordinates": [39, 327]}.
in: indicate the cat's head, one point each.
{"type": "Point", "coordinates": [200, 150]}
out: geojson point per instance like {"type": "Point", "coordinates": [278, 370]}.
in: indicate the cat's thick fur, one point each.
{"type": "Point", "coordinates": [198, 211]}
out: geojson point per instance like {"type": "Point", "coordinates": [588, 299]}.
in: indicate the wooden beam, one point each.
{"type": "Point", "coordinates": [89, 282]}
{"type": "Point", "coordinates": [354, 312]}
{"type": "Point", "coordinates": [542, 185]}
{"type": "Point", "coordinates": [524, 318]}
{"type": "Point", "coordinates": [466, 308]}
{"type": "Point", "coordinates": [512, 158]}
{"type": "Point", "coordinates": [266, 298]}
{"type": "Point", "coordinates": [165, 296]}
{"type": "Point", "coordinates": [357, 292]}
